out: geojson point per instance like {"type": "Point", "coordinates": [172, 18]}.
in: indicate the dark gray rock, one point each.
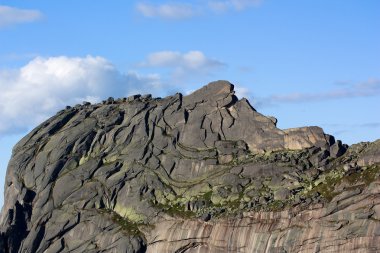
{"type": "Point", "coordinates": [338, 149]}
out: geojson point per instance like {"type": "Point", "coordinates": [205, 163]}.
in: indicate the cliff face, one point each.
{"type": "Point", "coordinates": [199, 173]}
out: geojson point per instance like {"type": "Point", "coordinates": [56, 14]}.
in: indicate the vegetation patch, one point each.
{"type": "Point", "coordinates": [129, 213]}
{"type": "Point", "coordinates": [326, 185]}
{"type": "Point", "coordinates": [176, 210]}
{"type": "Point", "coordinates": [366, 175]}
{"type": "Point", "coordinates": [128, 226]}
{"type": "Point", "coordinates": [276, 205]}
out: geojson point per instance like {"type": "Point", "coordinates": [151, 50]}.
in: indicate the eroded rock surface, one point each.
{"type": "Point", "coordinates": [199, 173]}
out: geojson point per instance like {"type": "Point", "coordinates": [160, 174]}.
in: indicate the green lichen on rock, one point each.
{"type": "Point", "coordinates": [128, 226]}
{"type": "Point", "coordinates": [129, 213]}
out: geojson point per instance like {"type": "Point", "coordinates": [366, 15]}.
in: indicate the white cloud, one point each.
{"type": "Point", "coordinates": [242, 92]}
{"type": "Point", "coordinates": [166, 11]}
{"type": "Point", "coordinates": [187, 66]}
{"type": "Point", "coordinates": [10, 15]}
{"type": "Point", "coordinates": [242, 4]}
{"type": "Point", "coordinates": [367, 88]}
{"type": "Point", "coordinates": [192, 60]}
{"type": "Point", "coordinates": [224, 5]}
{"type": "Point", "coordinates": [177, 11]}
{"type": "Point", "coordinates": [45, 85]}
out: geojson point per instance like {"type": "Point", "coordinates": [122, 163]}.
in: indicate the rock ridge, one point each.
{"type": "Point", "coordinates": [204, 172]}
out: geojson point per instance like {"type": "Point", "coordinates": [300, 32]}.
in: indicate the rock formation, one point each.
{"type": "Point", "coordinates": [199, 173]}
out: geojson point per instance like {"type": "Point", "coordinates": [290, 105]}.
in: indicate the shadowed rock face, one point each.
{"type": "Point", "coordinates": [199, 173]}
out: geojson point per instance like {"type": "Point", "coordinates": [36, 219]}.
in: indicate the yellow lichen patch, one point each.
{"type": "Point", "coordinates": [83, 160]}
{"type": "Point", "coordinates": [217, 200]}
{"type": "Point", "coordinates": [197, 190]}
{"type": "Point", "coordinates": [160, 198]}
{"type": "Point", "coordinates": [129, 213]}
{"type": "Point", "coordinates": [110, 159]}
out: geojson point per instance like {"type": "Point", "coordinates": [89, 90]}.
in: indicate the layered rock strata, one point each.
{"type": "Point", "coordinates": [199, 173]}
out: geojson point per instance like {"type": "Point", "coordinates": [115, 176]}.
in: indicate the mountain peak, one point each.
{"type": "Point", "coordinates": [186, 173]}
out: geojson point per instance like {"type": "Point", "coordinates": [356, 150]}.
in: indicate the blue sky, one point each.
{"type": "Point", "coordinates": [305, 62]}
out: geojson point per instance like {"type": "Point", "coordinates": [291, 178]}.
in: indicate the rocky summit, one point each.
{"type": "Point", "coordinates": [199, 173]}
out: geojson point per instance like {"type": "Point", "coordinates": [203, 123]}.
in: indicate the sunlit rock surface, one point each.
{"type": "Point", "coordinates": [350, 223]}
{"type": "Point", "coordinates": [199, 173]}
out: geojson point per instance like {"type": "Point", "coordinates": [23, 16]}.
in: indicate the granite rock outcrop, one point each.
{"type": "Point", "coordinates": [199, 173]}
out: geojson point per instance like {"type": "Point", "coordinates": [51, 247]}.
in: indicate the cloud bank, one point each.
{"type": "Point", "coordinates": [166, 11]}
{"type": "Point", "coordinates": [238, 5]}
{"type": "Point", "coordinates": [10, 16]}
{"type": "Point", "coordinates": [367, 88]}
{"type": "Point", "coordinates": [45, 85]}
{"type": "Point", "coordinates": [182, 67]}
{"type": "Point", "coordinates": [171, 10]}
{"type": "Point", "coordinates": [192, 60]}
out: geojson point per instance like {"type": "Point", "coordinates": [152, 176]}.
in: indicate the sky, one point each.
{"type": "Point", "coordinates": [305, 62]}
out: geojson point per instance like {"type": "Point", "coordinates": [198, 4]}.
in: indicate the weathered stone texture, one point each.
{"type": "Point", "coordinates": [199, 173]}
